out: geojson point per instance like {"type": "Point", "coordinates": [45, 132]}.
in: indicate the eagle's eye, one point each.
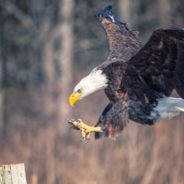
{"type": "Point", "coordinates": [79, 91]}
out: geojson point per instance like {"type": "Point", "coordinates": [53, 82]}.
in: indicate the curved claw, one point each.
{"type": "Point", "coordinates": [78, 120]}
{"type": "Point", "coordinates": [84, 140]}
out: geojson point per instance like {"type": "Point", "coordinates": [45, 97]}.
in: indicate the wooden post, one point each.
{"type": "Point", "coordinates": [12, 174]}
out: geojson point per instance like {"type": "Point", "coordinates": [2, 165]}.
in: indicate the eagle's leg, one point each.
{"type": "Point", "coordinates": [85, 136]}
{"type": "Point", "coordinates": [85, 129]}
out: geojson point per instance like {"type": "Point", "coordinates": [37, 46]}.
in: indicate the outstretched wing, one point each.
{"type": "Point", "coordinates": [159, 65]}
{"type": "Point", "coordinates": [122, 42]}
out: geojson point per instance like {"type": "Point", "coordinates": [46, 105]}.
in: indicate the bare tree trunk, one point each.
{"type": "Point", "coordinates": [177, 13]}
{"type": "Point", "coordinates": [64, 32]}
{"type": "Point", "coordinates": [125, 10]}
{"type": "Point", "coordinates": [164, 13]}
{"type": "Point", "coordinates": [49, 149]}
{"type": "Point", "coordinates": [128, 11]}
{"type": "Point", "coordinates": [1, 91]}
{"type": "Point", "coordinates": [65, 56]}
{"type": "Point", "coordinates": [1, 110]}
{"type": "Point", "coordinates": [49, 61]}
{"type": "Point", "coordinates": [49, 69]}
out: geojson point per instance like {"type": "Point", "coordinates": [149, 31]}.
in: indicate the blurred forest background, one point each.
{"type": "Point", "coordinates": [46, 46]}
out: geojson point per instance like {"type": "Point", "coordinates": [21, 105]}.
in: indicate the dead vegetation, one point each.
{"type": "Point", "coordinates": [33, 120]}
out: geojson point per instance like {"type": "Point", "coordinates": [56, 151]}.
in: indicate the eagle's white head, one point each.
{"type": "Point", "coordinates": [94, 81]}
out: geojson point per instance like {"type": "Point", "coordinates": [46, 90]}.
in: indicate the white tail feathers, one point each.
{"type": "Point", "coordinates": [181, 109]}
{"type": "Point", "coordinates": [169, 107]}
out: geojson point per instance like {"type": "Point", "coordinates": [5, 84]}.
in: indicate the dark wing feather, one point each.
{"type": "Point", "coordinates": [113, 119]}
{"type": "Point", "coordinates": [159, 64]}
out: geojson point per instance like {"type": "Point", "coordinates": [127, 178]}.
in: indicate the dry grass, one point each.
{"type": "Point", "coordinates": [142, 154]}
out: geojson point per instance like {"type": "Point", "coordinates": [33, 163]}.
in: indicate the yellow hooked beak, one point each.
{"type": "Point", "coordinates": [74, 97]}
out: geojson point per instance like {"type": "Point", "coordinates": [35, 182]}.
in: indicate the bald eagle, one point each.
{"type": "Point", "coordinates": [138, 80]}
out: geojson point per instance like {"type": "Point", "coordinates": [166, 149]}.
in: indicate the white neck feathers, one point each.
{"type": "Point", "coordinates": [94, 81]}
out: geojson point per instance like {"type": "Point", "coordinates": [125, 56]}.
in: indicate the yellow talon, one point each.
{"type": "Point", "coordinates": [85, 129]}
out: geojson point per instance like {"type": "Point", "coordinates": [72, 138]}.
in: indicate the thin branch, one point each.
{"type": "Point", "coordinates": [21, 16]}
